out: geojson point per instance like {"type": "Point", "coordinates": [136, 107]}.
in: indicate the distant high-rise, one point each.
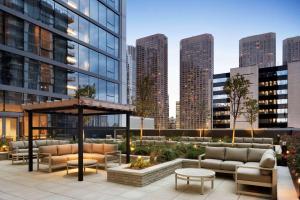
{"type": "Point", "coordinates": [131, 73]}
{"type": "Point", "coordinates": [152, 61]}
{"type": "Point", "coordinates": [196, 74]}
{"type": "Point", "coordinates": [291, 50]}
{"type": "Point", "coordinates": [177, 114]}
{"type": "Point", "coordinates": [258, 50]}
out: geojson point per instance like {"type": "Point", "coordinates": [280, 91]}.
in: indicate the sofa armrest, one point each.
{"type": "Point", "coordinates": [200, 157]}
{"type": "Point", "coordinates": [112, 153]}
{"type": "Point", "coordinates": [272, 170]}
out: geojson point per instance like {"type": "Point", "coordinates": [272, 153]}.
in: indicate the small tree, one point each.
{"type": "Point", "coordinates": [144, 103]}
{"type": "Point", "coordinates": [251, 108]}
{"type": "Point", "coordinates": [237, 88]}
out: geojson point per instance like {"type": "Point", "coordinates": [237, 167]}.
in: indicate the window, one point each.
{"type": "Point", "coordinates": [110, 44]}
{"type": "Point", "coordinates": [32, 9]}
{"type": "Point", "coordinates": [102, 39]}
{"type": "Point", "coordinates": [83, 84]}
{"type": "Point", "coordinates": [102, 90]}
{"type": "Point", "coordinates": [94, 9]}
{"type": "Point", "coordinates": [112, 68]}
{"type": "Point", "coordinates": [102, 64]}
{"type": "Point", "coordinates": [73, 3]}
{"type": "Point", "coordinates": [112, 92]}
{"type": "Point", "coordinates": [46, 14]}
{"type": "Point", "coordinates": [112, 21]}
{"type": "Point", "coordinates": [15, 4]}
{"type": "Point", "coordinates": [46, 75]}
{"type": "Point", "coordinates": [93, 82]}
{"type": "Point", "coordinates": [94, 62]}
{"type": "Point", "coordinates": [84, 7]}
{"type": "Point", "coordinates": [11, 69]}
{"type": "Point", "coordinates": [84, 58]}
{"type": "Point", "coordinates": [102, 14]}
{"type": "Point", "coordinates": [60, 81]}
{"type": "Point", "coordinates": [72, 85]}
{"type": "Point", "coordinates": [72, 58]}
{"type": "Point", "coordinates": [32, 35]}
{"type": "Point", "coordinates": [46, 44]}
{"type": "Point", "coordinates": [218, 88]}
{"type": "Point", "coordinates": [84, 30]}
{"type": "Point", "coordinates": [73, 24]}
{"type": "Point", "coordinates": [114, 4]}
{"type": "Point", "coordinates": [60, 46]}
{"type": "Point", "coordinates": [94, 35]}
{"type": "Point", "coordinates": [33, 74]}
{"type": "Point", "coordinates": [282, 82]}
{"type": "Point", "coordinates": [14, 32]}
{"type": "Point", "coordinates": [282, 73]}
{"type": "Point", "coordinates": [61, 19]}
{"type": "Point", "coordinates": [220, 80]}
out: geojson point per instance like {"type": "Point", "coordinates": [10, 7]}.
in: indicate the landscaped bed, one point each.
{"type": "Point", "coordinates": [141, 177]}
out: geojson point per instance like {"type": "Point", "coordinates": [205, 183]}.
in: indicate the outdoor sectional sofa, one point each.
{"type": "Point", "coordinates": [254, 140]}
{"type": "Point", "coordinates": [251, 166]}
{"type": "Point", "coordinates": [196, 140]}
{"type": "Point", "coordinates": [240, 145]}
{"type": "Point", "coordinates": [56, 156]}
{"type": "Point", "coordinates": [22, 146]}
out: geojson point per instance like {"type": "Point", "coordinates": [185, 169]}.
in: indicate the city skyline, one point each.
{"type": "Point", "coordinates": [281, 16]}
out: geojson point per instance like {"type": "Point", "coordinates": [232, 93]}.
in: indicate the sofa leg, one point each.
{"type": "Point", "coordinates": [237, 188]}
{"type": "Point", "coordinates": [50, 170]}
{"type": "Point", "coordinates": [274, 192]}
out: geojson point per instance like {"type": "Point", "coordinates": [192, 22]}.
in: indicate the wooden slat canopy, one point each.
{"type": "Point", "coordinates": [80, 107]}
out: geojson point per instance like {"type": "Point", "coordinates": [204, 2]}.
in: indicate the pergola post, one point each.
{"type": "Point", "coordinates": [80, 143]}
{"type": "Point", "coordinates": [30, 137]}
{"type": "Point", "coordinates": [127, 138]}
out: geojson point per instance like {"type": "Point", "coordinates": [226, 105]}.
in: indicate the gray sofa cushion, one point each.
{"type": "Point", "coordinates": [248, 140]}
{"type": "Point", "coordinates": [268, 140]}
{"type": "Point", "coordinates": [243, 145]}
{"type": "Point", "coordinates": [17, 145]}
{"type": "Point", "coordinates": [215, 144]}
{"type": "Point", "coordinates": [41, 143]}
{"type": "Point", "coordinates": [238, 140]}
{"type": "Point", "coordinates": [258, 140]}
{"type": "Point", "coordinates": [211, 164]}
{"type": "Point", "coordinates": [236, 154]}
{"type": "Point", "coordinates": [215, 153]}
{"type": "Point", "coordinates": [262, 146]}
{"type": "Point", "coordinates": [267, 159]}
{"type": "Point", "coordinates": [254, 154]}
{"type": "Point", "coordinates": [230, 165]}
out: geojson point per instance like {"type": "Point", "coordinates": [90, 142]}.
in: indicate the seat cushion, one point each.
{"type": "Point", "coordinates": [98, 148]}
{"type": "Point", "coordinates": [248, 140]}
{"type": "Point", "coordinates": [249, 174]}
{"type": "Point", "coordinates": [215, 144]}
{"type": "Point", "coordinates": [236, 154]}
{"type": "Point", "coordinates": [72, 156]}
{"type": "Point", "coordinates": [228, 144]}
{"type": "Point", "coordinates": [17, 144]}
{"type": "Point", "coordinates": [206, 139]}
{"type": "Point", "coordinates": [95, 156]}
{"type": "Point", "coordinates": [238, 139]}
{"type": "Point", "coordinates": [252, 164]}
{"type": "Point", "coordinates": [110, 148]}
{"type": "Point", "coordinates": [87, 148]}
{"type": "Point", "coordinates": [258, 140]}
{"type": "Point", "coordinates": [243, 145]}
{"type": "Point", "coordinates": [262, 146]}
{"type": "Point", "coordinates": [74, 148]}
{"type": "Point", "coordinates": [268, 140]}
{"type": "Point", "coordinates": [211, 164]}
{"type": "Point", "coordinates": [230, 165]}
{"type": "Point", "coordinates": [254, 154]}
{"type": "Point", "coordinates": [41, 143]}
{"type": "Point", "coordinates": [56, 159]}
{"type": "Point", "coordinates": [64, 142]}
{"type": "Point", "coordinates": [64, 149]}
{"type": "Point", "coordinates": [215, 153]}
{"type": "Point", "coordinates": [52, 149]}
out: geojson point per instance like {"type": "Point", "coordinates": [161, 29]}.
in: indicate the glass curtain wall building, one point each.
{"type": "Point", "coordinates": [49, 49]}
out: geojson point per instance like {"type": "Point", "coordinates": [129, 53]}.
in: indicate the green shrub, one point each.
{"type": "Point", "coordinates": [122, 147]}
{"type": "Point", "coordinates": [140, 163]}
{"type": "Point", "coordinates": [193, 152]}
{"type": "Point", "coordinates": [166, 155]}
{"type": "Point", "coordinates": [142, 150]}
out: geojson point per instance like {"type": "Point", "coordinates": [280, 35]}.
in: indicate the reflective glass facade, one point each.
{"type": "Point", "coordinates": [49, 49]}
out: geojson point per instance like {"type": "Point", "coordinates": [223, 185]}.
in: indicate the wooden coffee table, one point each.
{"type": "Point", "coordinates": [87, 163]}
{"type": "Point", "coordinates": [195, 174]}
{"type": "Point", "coordinates": [21, 157]}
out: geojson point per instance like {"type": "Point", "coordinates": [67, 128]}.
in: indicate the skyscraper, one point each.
{"type": "Point", "coordinates": [291, 50]}
{"type": "Point", "coordinates": [258, 50]}
{"type": "Point", "coordinates": [131, 74]}
{"type": "Point", "coordinates": [152, 61]}
{"type": "Point", "coordinates": [196, 74]}
{"type": "Point", "coordinates": [50, 49]}
{"type": "Point", "coordinates": [177, 114]}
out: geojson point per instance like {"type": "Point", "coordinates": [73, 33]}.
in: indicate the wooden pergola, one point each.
{"type": "Point", "coordinates": [79, 107]}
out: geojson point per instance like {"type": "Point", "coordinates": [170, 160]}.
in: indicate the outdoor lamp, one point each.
{"type": "Point", "coordinates": [4, 147]}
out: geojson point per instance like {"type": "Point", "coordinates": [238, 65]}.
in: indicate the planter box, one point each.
{"type": "Point", "coordinates": [132, 157]}
{"type": "Point", "coordinates": [124, 175]}
{"type": "Point", "coordinates": [3, 155]}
